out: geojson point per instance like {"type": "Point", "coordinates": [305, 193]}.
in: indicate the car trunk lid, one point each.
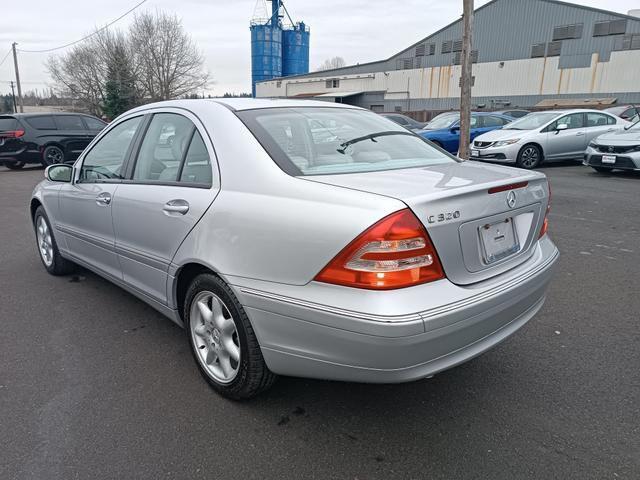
{"type": "Point", "coordinates": [483, 219]}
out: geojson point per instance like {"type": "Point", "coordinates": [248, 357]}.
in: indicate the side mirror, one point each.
{"type": "Point", "coordinates": [58, 173]}
{"type": "Point", "coordinates": [561, 126]}
{"type": "Point", "coordinates": [455, 129]}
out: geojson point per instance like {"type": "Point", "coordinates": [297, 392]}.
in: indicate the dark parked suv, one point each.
{"type": "Point", "coordinates": [45, 138]}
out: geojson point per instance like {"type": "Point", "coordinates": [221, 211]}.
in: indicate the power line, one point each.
{"type": "Point", "coordinates": [86, 36]}
{"type": "Point", "coordinates": [5, 57]}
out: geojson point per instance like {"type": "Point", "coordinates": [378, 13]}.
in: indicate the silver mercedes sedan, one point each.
{"type": "Point", "coordinates": [301, 238]}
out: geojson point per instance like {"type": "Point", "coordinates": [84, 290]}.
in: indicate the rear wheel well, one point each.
{"type": "Point", "coordinates": [186, 274]}
{"type": "Point", "coordinates": [35, 203]}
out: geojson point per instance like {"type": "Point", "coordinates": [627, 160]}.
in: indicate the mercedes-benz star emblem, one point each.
{"type": "Point", "coordinates": [511, 199]}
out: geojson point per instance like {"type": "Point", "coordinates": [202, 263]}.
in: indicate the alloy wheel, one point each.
{"type": "Point", "coordinates": [45, 244]}
{"type": "Point", "coordinates": [215, 337]}
{"type": "Point", "coordinates": [53, 155]}
{"type": "Point", "coordinates": [529, 157]}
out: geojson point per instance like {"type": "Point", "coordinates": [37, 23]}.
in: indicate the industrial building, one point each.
{"type": "Point", "coordinates": [526, 53]}
{"type": "Point", "coordinates": [278, 49]}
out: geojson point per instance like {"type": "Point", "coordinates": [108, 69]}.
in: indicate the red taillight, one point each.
{"type": "Point", "coordinates": [12, 134]}
{"type": "Point", "coordinates": [396, 252]}
{"type": "Point", "coordinates": [545, 223]}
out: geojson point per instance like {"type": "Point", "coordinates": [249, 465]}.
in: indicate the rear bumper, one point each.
{"type": "Point", "coordinates": [300, 337]}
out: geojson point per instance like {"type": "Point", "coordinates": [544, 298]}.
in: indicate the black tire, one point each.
{"type": "Point", "coordinates": [253, 376]}
{"type": "Point", "coordinates": [51, 155]}
{"type": "Point", "coordinates": [602, 169]}
{"type": "Point", "coordinates": [14, 165]}
{"type": "Point", "coordinates": [529, 157]}
{"type": "Point", "coordinates": [58, 265]}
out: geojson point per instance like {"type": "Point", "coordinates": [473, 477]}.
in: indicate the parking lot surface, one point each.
{"type": "Point", "coordinates": [95, 384]}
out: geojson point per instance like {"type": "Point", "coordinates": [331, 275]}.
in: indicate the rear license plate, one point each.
{"type": "Point", "coordinates": [499, 240]}
{"type": "Point", "coordinates": [608, 159]}
{"type": "Point", "coordinates": [475, 153]}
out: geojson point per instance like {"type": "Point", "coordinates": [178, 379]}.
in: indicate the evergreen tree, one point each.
{"type": "Point", "coordinates": [119, 87]}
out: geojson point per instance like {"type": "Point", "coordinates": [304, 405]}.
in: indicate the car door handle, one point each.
{"type": "Point", "coordinates": [579, 134]}
{"type": "Point", "coordinates": [103, 198]}
{"type": "Point", "coordinates": [176, 206]}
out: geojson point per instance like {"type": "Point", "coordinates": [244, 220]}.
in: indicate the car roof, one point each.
{"type": "Point", "coordinates": [41, 114]}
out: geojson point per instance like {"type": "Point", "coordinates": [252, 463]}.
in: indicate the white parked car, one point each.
{"type": "Point", "coordinates": [545, 136]}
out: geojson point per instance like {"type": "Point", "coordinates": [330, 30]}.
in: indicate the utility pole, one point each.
{"type": "Point", "coordinates": [13, 96]}
{"type": "Point", "coordinates": [466, 80]}
{"type": "Point", "coordinates": [15, 64]}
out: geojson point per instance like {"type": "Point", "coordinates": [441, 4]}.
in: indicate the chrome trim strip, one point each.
{"type": "Point", "coordinates": [142, 257]}
{"type": "Point", "coordinates": [98, 241]}
{"type": "Point", "coordinates": [424, 315]}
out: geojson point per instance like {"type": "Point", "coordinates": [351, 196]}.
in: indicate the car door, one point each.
{"type": "Point", "coordinates": [569, 143]}
{"type": "Point", "coordinates": [168, 188]}
{"type": "Point", "coordinates": [598, 124]}
{"type": "Point", "coordinates": [73, 135]}
{"type": "Point", "coordinates": [86, 204]}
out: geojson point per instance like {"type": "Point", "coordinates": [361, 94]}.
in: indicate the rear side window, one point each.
{"type": "Point", "coordinates": [44, 122]}
{"type": "Point", "coordinates": [104, 161]}
{"type": "Point", "coordinates": [491, 121]}
{"type": "Point", "coordinates": [597, 119]}
{"type": "Point", "coordinates": [197, 165]}
{"type": "Point", "coordinates": [7, 123]}
{"type": "Point", "coordinates": [69, 122]}
{"type": "Point", "coordinates": [163, 148]}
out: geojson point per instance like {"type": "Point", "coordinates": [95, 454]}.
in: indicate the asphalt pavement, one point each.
{"type": "Point", "coordinates": [94, 384]}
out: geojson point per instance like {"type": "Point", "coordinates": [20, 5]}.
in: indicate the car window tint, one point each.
{"type": "Point", "coordinates": [163, 148]}
{"type": "Point", "coordinates": [491, 121]}
{"type": "Point", "coordinates": [104, 160]}
{"type": "Point", "coordinates": [94, 123]}
{"type": "Point", "coordinates": [69, 122]}
{"type": "Point", "coordinates": [197, 165]}
{"type": "Point", "coordinates": [44, 122]}
{"type": "Point", "coordinates": [596, 119]}
{"type": "Point", "coordinates": [7, 123]}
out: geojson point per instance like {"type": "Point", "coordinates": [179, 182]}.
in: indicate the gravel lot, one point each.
{"type": "Point", "coordinates": [95, 384]}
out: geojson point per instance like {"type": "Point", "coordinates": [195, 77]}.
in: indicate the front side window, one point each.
{"type": "Point", "coordinates": [69, 122]}
{"type": "Point", "coordinates": [491, 121]}
{"type": "Point", "coordinates": [104, 161]}
{"type": "Point", "coordinates": [318, 140]}
{"type": "Point", "coordinates": [573, 121]}
{"type": "Point", "coordinates": [163, 148]}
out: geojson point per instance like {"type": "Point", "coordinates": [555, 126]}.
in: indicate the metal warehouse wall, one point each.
{"type": "Point", "coordinates": [505, 31]}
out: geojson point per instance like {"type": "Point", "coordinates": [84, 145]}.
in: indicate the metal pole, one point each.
{"type": "Point", "coordinates": [15, 64]}
{"type": "Point", "coordinates": [13, 96]}
{"type": "Point", "coordinates": [466, 80]}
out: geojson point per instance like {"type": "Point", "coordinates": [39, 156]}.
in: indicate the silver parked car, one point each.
{"type": "Point", "coordinates": [301, 238]}
{"type": "Point", "coordinates": [619, 150]}
{"type": "Point", "coordinates": [544, 136]}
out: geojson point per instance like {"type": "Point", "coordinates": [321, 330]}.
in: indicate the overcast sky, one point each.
{"type": "Point", "coordinates": [357, 30]}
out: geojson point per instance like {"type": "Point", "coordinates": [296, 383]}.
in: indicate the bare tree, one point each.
{"type": "Point", "coordinates": [331, 63]}
{"type": "Point", "coordinates": [154, 60]}
{"type": "Point", "coordinates": [83, 71]}
{"type": "Point", "coordinates": [170, 64]}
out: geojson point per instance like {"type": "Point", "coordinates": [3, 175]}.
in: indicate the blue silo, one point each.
{"type": "Point", "coordinates": [295, 50]}
{"type": "Point", "coordinates": [278, 50]}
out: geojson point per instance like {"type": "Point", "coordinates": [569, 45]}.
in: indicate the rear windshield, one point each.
{"type": "Point", "coordinates": [7, 123]}
{"type": "Point", "coordinates": [532, 121]}
{"type": "Point", "coordinates": [320, 141]}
